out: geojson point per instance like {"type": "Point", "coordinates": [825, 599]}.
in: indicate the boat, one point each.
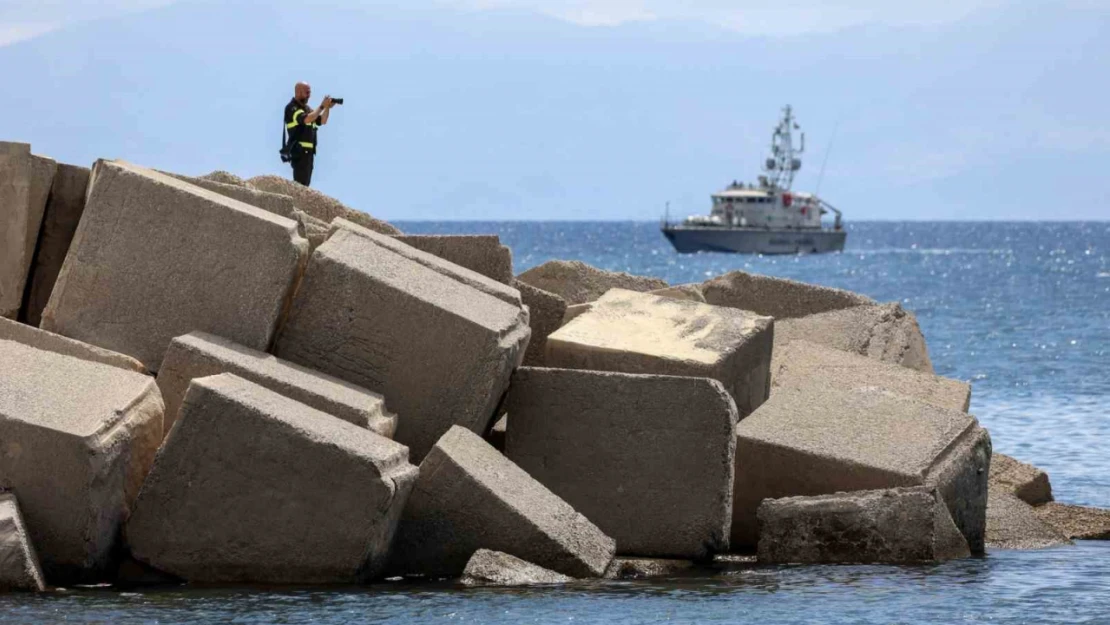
{"type": "Point", "coordinates": [767, 217]}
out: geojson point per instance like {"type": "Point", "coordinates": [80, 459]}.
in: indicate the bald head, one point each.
{"type": "Point", "coordinates": [302, 91]}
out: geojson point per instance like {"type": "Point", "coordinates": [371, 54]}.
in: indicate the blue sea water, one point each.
{"type": "Point", "coordinates": [1021, 310]}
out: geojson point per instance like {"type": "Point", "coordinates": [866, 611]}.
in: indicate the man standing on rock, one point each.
{"type": "Point", "coordinates": [301, 123]}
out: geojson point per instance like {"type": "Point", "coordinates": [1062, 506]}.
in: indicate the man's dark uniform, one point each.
{"type": "Point", "coordinates": [302, 140]}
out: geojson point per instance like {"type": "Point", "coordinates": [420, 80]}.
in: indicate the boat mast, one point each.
{"type": "Point", "coordinates": [784, 161]}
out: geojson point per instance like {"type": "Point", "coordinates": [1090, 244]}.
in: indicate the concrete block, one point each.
{"type": "Point", "coordinates": [470, 497]}
{"type": "Point", "coordinates": [19, 566]}
{"type": "Point", "coordinates": [1076, 522]}
{"type": "Point", "coordinates": [576, 311]}
{"type": "Point", "coordinates": [48, 341]}
{"type": "Point", "coordinates": [1025, 481]}
{"type": "Point", "coordinates": [497, 433]}
{"type": "Point", "coordinates": [155, 258]}
{"type": "Point", "coordinates": [545, 315]}
{"type": "Point", "coordinates": [885, 332]}
{"type": "Point", "coordinates": [690, 292]}
{"type": "Point", "coordinates": [482, 253]}
{"type": "Point", "coordinates": [63, 212]}
{"type": "Point", "coordinates": [578, 283]}
{"type": "Point", "coordinates": [319, 205]}
{"type": "Point", "coordinates": [199, 355]}
{"type": "Point", "coordinates": [446, 268]}
{"type": "Point", "coordinates": [251, 486]}
{"type": "Point", "coordinates": [780, 298]}
{"type": "Point", "coordinates": [893, 526]}
{"type": "Point", "coordinates": [640, 333]}
{"type": "Point", "coordinates": [805, 363]}
{"type": "Point", "coordinates": [439, 351]}
{"type": "Point", "coordinates": [647, 458]}
{"type": "Point", "coordinates": [1014, 524]}
{"type": "Point", "coordinates": [78, 438]}
{"type": "Point", "coordinates": [25, 181]}
{"type": "Point", "coordinates": [493, 568]}
{"type": "Point", "coordinates": [820, 440]}
{"type": "Point", "coordinates": [645, 568]}
{"type": "Point", "coordinates": [275, 203]}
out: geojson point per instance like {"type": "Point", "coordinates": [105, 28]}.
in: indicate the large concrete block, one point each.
{"type": "Point", "coordinates": [885, 332]}
{"type": "Point", "coordinates": [48, 341]}
{"type": "Point", "coordinates": [319, 205]}
{"type": "Point", "coordinates": [804, 363]}
{"type": "Point", "coordinates": [578, 283]}
{"type": "Point", "coordinates": [439, 351]}
{"type": "Point", "coordinates": [819, 440]}
{"type": "Point", "coordinates": [25, 181]}
{"type": "Point", "coordinates": [1025, 481]}
{"type": "Point", "coordinates": [19, 566]}
{"type": "Point", "coordinates": [545, 315]}
{"type": "Point", "coordinates": [777, 297]}
{"type": "Point", "coordinates": [896, 525]}
{"type": "Point", "coordinates": [1014, 524]}
{"type": "Point", "coordinates": [1076, 522]}
{"type": "Point", "coordinates": [493, 568]}
{"type": "Point", "coordinates": [155, 258]}
{"type": "Point", "coordinates": [275, 203]}
{"type": "Point", "coordinates": [647, 458]}
{"type": "Point", "coordinates": [63, 213]}
{"type": "Point", "coordinates": [690, 292]}
{"type": "Point", "coordinates": [470, 497]}
{"type": "Point", "coordinates": [252, 486]}
{"type": "Point", "coordinates": [447, 268]}
{"type": "Point", "coordinates": [482, 253]}
{"type": "Point", "coordinates": [643, 568]}
{"type": "Point", "coordinates": [78, 438]}
{"type": "Point", "coordinates": [199, 355]}
{"type": "Point", "coordinates": [640, 333]}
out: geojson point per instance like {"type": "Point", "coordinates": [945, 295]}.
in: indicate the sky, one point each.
{"type": "Point", "coordinates": [587, 109]}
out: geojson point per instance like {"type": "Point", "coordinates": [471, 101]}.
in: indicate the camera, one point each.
{"type": "Point", "coordinates": [337, 100]}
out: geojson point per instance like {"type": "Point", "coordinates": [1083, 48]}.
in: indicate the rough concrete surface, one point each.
{"type": "Point", "coordinates": [63, 212]}
{"type": "Point", "coordinates": [482, 253]}
{"type": "Point", "coordinates": [803, 363]}
{"type": "Point", "coordinates": [19, 566]}
{"type": "Point", "coordinates": [545, 315]}
{"type": "Point", "coordinates": [497, 433]}
{"type": "Point", "coordinates": [275, 203]}
{"type": "Point", "coordinates": [885, 332]}
{"type": "Point", "coordinates": [1025, 481]}
{"type": "Point", "coordinates": [1013, 524]}
{"type": "Point", "coordinates": [155, 258]}
{"type": "Point", "coordinates": [199, 355]}
{"type": "Point", "coordinates": [819, 440]}
{"type": "Point", "coordinates": [252, 486]}
{"type": "Point", "coordinates": [471, 497]}
{"type": "Point", "coordinates": [639, 333]}
{"type": "Point", "coordinates": [48, 341]}
{"type": "Point", "coordinates": [896, 525]}
{"type": "Point", "coordinates": [78, 438]}
{"type": "Point", "coordinates": [1076, 522]}
{"type": "Point", "coordinates": [690, 292]}
{"type": "Point", "coordinates": [578, 283]}
{"type": "Point", "coordinates": [440, 352]}
{"type": "Point", "coordinates": [493, 568]}
{"type": "Point", "coordinates": [643, 568]}
{"type": "Point", "coordinates": [25, 181]}
{"type": "Point", "coordinates": [777, 297]}
{"type": "Point", "coordinates": [647, 458]}
{"type": "Point", "coordinates": [317, 204]}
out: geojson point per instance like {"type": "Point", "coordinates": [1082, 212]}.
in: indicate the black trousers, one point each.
{"type": "Point", "coordinates": [302, 168]}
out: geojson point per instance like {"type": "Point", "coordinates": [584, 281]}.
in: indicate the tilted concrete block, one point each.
{"type": "Point", "coordinates": [578, 283]}
{"type": "Point", "coordinates": [894, 526]}
{"type": "Point", "coordinates": [885, 332]}
{"type": "Point", "coordinates": [640, 333]}
{"type": "Point", "coordinates": [78, 438]}
{"type": "Point", "coordinates": [19, 566]}
{"type": "Point", "coordinates": [63, 213]}
{"type": "Point", "coordinates": [439, 351]}
{"type": "Point", "coordinates": [780, 298]}
{"type": "Point", "coordinates": [820, 440]}
{"type": "Point", "coordinates": [482, 253]}
{"type": "Point", "coordinates": [25, 181]}
{"type": "Point", "coordinates": [48, 341]}
{"type": "Point", "coordinates": [155, 258]}
{"type": "Point", "coordinates": [470, 497]}
{"type": "Point", "coordinates": [199, 355]}
{"type": "Point", "coordinates": [801, 363]}
{"type": "Point", "coordinates": [447, 268]}
{"type": "Point", "coordinates": [545, 315]}
{"type": "Point", "coordinates": [251, 486]}
{"type": "Point", "coordinates": [1025, 481]}
{"type": "Point", "coordinates": [275, 203]}
{"type": "Point", "coordinates": [1014, 524]}
{"type": "Point", "coordinates": [647, 458]}
{"type": "Point", "coordinates": [1076, 522]}
{"type": "Point", "coordinates": [493, 568]}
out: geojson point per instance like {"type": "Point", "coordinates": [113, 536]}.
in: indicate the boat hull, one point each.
{"type": "Point", "coordinates": [690, 239]}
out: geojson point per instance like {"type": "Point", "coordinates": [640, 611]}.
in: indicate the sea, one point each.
{"type": "Point", "coordinates": [1020, 310]}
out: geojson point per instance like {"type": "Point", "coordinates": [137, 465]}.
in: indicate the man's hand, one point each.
{"type": "Point", "coordinates": [327, 103]}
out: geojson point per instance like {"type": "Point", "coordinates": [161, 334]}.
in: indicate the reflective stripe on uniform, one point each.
{"type": "Point", "coordinates": [291, 125]}
{"type": "Point", "coordinates": [296, 113]}
{"type": "Point", "coordinates": [306, 144]}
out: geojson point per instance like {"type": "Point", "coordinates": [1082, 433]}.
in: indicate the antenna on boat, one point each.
{"type": "Point", "coordinates": [825, 160]}
{"type": "Point", "coordinates": [784, 162]}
